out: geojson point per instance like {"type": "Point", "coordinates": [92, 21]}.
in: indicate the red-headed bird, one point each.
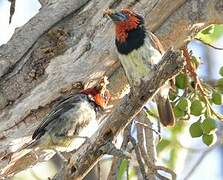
{"type": "Point", "coordinates": [139, 51]}
{"type": "Point", "coordinates": [70, 116]}
{"type": "Point", "coordinates": [66, 120]}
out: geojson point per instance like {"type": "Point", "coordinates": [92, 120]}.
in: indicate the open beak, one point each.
{"type": "Point", "coordinates": [115, 15]}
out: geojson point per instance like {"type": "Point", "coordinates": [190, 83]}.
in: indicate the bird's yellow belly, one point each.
{"type": "Point", "coordinates": [139, 63]}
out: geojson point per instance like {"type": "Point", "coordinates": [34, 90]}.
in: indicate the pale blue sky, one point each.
{"type": "Point", "coordinates": [25, 9]}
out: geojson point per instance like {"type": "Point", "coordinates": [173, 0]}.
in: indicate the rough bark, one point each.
{"type": "Point", "coordinates": [69, 42]}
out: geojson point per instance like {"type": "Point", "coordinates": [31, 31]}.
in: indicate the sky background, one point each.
{"type": "Point", "coordinates": [211, 167]}
{"type": "Point", "coordinates": [25, 9]}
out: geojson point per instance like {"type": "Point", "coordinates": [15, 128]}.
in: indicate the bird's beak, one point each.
{"type": "Point", "coordinates": [115, 15]}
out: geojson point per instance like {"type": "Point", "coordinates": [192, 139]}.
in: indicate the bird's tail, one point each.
{"type": "Point", "coordinates": [165, 110]}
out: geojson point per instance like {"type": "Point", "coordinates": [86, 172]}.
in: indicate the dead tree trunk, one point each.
{"type": "Point", "coordinates": [69, 42]}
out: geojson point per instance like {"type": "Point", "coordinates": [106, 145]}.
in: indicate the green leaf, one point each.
{"type": "Point", "coordinates": [221, 71]}
{"type": "Point", "coordinates": [211, 33]}
{"type": "Point", "coordinates": [172, 95]}
{"type": "Point", "coordinates": [197, 107]}
{"type": "Point", "coordinates": [183, 104]}
{"type": "Point", "coordinates": [208, 30]}
{"type": "Point", "coordinates": [122, 169]}
{"type": "Point", "coordinates": [164, 143]}
{"type": "Point", "coordinates": [219, 84]}
{"type": "Point", "coordinates": [217, 98]}
{"type": "Point", "coordinates": [196, 130]}
{"type": "Point", "coordinates": [178, 112]}
{"type": "Point", "coordinates": [209, 139]}
{"type": "Point", "coordinates": [208, 125]}
{"type": "Point", "coordinates": [181, 81]}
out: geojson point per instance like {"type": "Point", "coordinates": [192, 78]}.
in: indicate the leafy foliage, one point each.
{"type": "Point", "coordinates": [211, 33]}
{"type": "Point", "coordinates": [196, 129]}
{"type": "Point", "coordinates": [193, 100]}
{"type": "Point", "coordinates": [192, 97]}
{"type": "Point", "coordinates": [122, 169]}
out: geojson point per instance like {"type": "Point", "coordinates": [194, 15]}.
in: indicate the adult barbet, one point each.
{"type": "Point", "coordinates": [139, 51]}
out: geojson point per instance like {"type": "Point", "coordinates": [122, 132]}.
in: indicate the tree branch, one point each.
{"type": "Point", "coordinates": [88, 155]}
{"type": "Point", "coordinates": [116, 162]}
{"type": "Point", "coordinates": [148, 151]}
{"type": "Point", "coordinates": [22, 40]}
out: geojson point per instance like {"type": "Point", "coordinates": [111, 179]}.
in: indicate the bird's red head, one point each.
{"type": "Point", "coordinates": [125, 20]}
{"type": "Point", "coordinates": [99, 94]}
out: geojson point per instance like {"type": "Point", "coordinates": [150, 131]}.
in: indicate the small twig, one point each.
{"type": "Point", "coordinates": [208, 44]}
{"type": "Point", "coordinates": [139, 159]}
{"type": "Point", "coordinates": [12, 9]}
{"type": "Point", "coordinates": [99, 170]}
{"type": "Point", "coordinates": [192, 71]}
{"type": "Point", "coordinates": [146, 126]}
{"type": "Point", "coordinates": [167, 170]}
{"type": "Point", "coordinates": [149, 156]}
{"type": "Point", "coordinates": [159, 129]}
{"type": "Point", "coordinates": [157, 168]}
{"type": "Point", "coordinates": [140, 137]}
{"type": "Point", "coordinates": [116, 162]}
{"type": "Point", "coordinates": [151, 166]}
{"type": "Point", "coordinates": [161, 177]}
{"type": "Point", "coordinates": [158, 122]}
{"type": "Point", "coordinates": [149, 137]}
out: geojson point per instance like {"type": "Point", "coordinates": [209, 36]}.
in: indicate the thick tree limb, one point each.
{"type": "Point", "coordinates": [23, 40]}
{"type": "Point", "coordinates": [89, 154]}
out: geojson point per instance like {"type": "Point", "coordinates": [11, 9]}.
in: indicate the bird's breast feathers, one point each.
{"type": "Point", "coordinates": [138, 62]}
{"type": "Point", "coordinates": [80, 115]}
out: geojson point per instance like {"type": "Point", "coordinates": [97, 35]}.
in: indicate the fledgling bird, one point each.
{"type": "Point", "coordinates": [68, 117]}
{"type": "Point", "coordinates": [139, 51]}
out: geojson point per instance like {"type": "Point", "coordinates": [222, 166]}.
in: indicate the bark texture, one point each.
{"type": "Point", "coordinates": [69, 42]}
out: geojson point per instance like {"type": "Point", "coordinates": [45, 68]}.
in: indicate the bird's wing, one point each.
{"type": "Point", "coordinates": [60, 108]}
{"type": "Point", "coordinates": [156, 42]}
